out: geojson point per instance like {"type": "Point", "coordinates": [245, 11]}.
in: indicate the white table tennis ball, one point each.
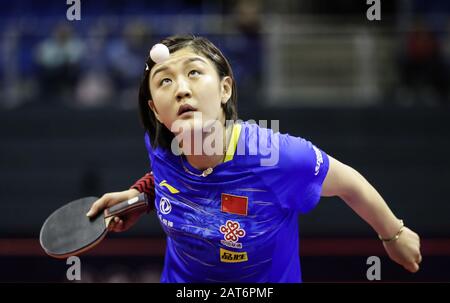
{"type": "Point", "coordinates": [159, 53]}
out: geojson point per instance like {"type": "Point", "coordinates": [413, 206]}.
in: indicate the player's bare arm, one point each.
{"type": "Point", "coordinates": [401, 243]}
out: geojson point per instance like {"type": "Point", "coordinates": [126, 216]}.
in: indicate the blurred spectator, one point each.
{"type": "Point", "coordinates": [15, 84]}
{"type": "Point", "coordinates": [95, 87]}
{"type": "Point", "coordinates": [126, 57]}
{"type": "Point", "coordinates": [423, 70]}
{"type": "Point", "coordinates": [59, 60]}
{"type": "Point", "coordinates": [94, 90]}
{"type": "Point", "coordinates": [246, 52]}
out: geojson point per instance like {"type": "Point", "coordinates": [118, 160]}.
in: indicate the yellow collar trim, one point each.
{"type": "Point", "coordinates": [233, 142]}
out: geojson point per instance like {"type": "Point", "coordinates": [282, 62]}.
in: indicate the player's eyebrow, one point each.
{"type": "Point", "coordinates": [187, 61]}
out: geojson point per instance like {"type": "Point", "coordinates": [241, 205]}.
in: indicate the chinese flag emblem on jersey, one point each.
{"type": "Point", "coordinates": [234, 204]}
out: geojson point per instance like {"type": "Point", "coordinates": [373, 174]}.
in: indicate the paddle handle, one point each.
{"type": "Point", "coordinates": [137, 203]}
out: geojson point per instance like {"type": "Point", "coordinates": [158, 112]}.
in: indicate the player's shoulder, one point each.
{"type": "Point", "coordinates": [263, 146]}
{"type": "Point", "coordinates": [254, 134]}
{"type": "Point", "coordinates": [158, 151]}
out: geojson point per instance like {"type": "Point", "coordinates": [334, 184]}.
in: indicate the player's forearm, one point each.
{"type": "Point", "coordinates": [363, 198]}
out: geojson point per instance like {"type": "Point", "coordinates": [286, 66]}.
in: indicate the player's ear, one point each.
{"type": "Point", "coordinates": [152, 106]}
{"type": "Point", "coordinates": [226, 85]}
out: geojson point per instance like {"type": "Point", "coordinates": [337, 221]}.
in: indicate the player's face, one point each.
{"type": "Point", "coordinates": [185, 86]}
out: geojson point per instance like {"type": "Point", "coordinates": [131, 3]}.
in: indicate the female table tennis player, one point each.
{"type": "Point", "coordinates": [228, 215]}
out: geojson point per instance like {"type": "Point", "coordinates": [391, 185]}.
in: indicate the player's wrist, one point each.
{"type": "Point", "coordinates": [133, 192]}
{"type": "Point", "coordinates": [393, 236]}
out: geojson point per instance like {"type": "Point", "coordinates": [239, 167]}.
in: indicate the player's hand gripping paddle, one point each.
{"type": "Point", "coordinates": [68, 231]}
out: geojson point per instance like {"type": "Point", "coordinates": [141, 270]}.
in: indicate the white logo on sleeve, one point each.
{"type": "Point", "coordinates": [319, 160]}
{"type": "Point", "coordinates": [164, 206]}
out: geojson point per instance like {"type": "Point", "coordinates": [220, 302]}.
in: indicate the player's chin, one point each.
{"type": "Point", "coordinates": [186, 125]}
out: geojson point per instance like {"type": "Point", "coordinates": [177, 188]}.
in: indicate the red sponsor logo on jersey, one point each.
{"type": "Point", "coordinates": [234, 204]}
{"type": "Point", "coordinates": [232, 231]}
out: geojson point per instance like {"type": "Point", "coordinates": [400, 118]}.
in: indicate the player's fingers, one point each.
{"type": "Point", "coordinates": [97, 206]}
{"type": "Point", "coordinates": [113, 224]}
{"type": "Point", "coordinates": [419, 258]}
{"type": "Point", "coordinates": [412, 267]}
{"type": "Point", "coordinates": [117, 225]}
{"type": "Point", "coordinates": [120, 225]}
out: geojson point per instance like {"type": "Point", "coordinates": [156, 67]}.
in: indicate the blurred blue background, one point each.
{"type": "Point", "coordinates": [374, 94]}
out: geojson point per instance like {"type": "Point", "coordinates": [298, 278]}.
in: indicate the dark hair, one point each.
{"type": "Point", "coordinates": [158, 132]}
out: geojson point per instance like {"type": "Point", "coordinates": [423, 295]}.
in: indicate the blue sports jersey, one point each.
{"type": "Point", "coordinates": [238, 224]}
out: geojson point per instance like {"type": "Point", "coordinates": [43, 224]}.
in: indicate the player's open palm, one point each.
{"type": "Point", "coordinates": [118, 224]}
{"type": "Point", "coordinates": [405, 250]}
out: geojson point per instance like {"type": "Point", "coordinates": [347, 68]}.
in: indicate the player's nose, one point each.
{"type": "Point", "coordinates": [183, 90]}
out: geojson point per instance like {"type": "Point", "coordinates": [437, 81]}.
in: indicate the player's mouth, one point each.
{"type": "Point", "coordinates": [185, 109]}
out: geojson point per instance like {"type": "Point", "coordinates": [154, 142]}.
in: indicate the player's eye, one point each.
{"type": "Point", "coordinates": [194, 73]}
{"type": "Point", "coordinates": [165, 81]}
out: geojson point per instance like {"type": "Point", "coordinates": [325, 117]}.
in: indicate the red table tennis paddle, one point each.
{"type": "Point", "coordinates": [68, 231]}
